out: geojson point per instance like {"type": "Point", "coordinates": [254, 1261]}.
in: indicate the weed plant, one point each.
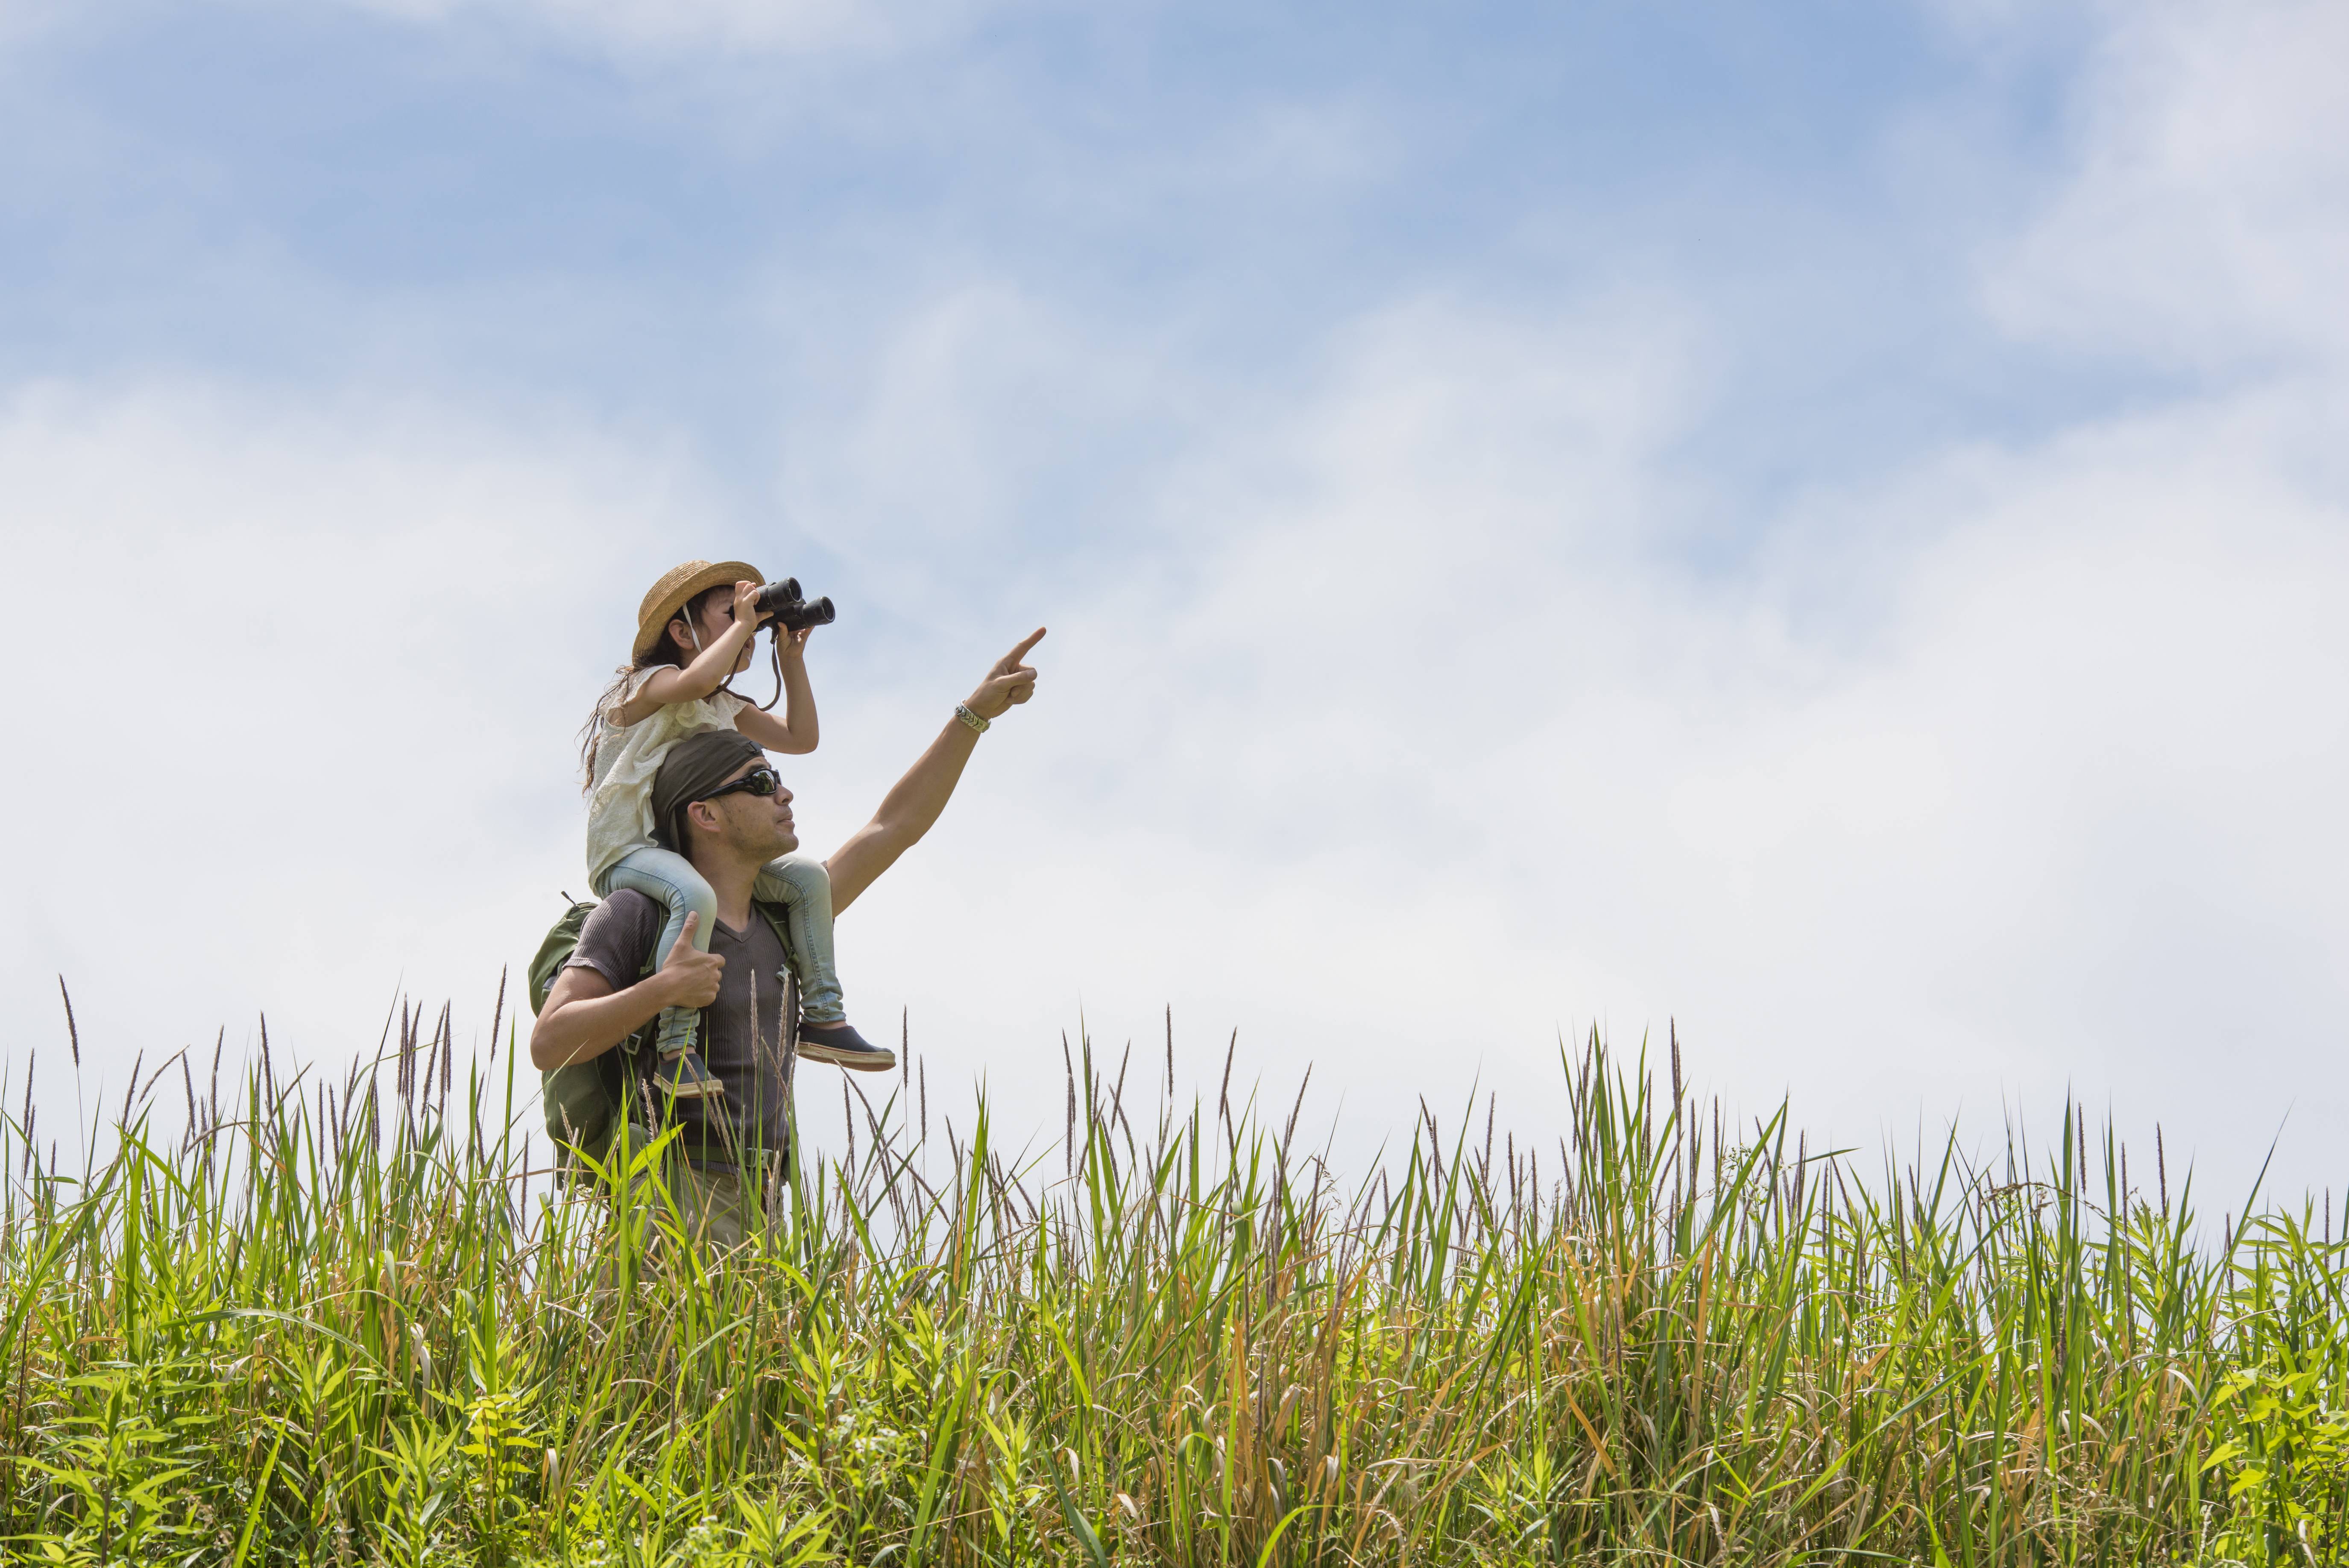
{"type": "Point", "coordinates": [352, 1324]}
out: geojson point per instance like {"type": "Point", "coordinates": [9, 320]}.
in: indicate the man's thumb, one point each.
{"type": "Point", "coordinates": [684, 931]}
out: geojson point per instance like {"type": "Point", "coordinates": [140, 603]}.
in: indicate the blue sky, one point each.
{"type": "Point", "coordinates": [1817, 522]}
{"type": "Point", "coordinates": [303, 195]}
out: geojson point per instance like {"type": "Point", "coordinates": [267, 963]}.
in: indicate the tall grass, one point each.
{"type": "Point", "coordinates": [344, 1324]}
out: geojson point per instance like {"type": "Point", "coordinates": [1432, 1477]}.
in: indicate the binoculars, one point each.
{"type": "Point", "coordinates": [790, 612]}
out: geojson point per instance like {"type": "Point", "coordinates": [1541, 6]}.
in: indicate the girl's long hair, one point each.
{"type": "Point", "coordinates": [665, 651]}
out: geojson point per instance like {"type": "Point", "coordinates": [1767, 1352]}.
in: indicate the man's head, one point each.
{"type": "Point", "coordinates": [715, 800]}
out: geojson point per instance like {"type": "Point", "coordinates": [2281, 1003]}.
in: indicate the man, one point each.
{"type": "Point", "coordinates": [717, 791]}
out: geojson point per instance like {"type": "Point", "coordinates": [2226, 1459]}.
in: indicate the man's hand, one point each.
{"type": "Point", "coordinates": [584, 1017]}
{"type": "Point", "coordinates": [688, 975]}
{"type": "Point", "coordinates": [1009, 681]}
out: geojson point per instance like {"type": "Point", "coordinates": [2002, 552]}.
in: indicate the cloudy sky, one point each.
{"type": "Point", "coordinates": [1811, 521]}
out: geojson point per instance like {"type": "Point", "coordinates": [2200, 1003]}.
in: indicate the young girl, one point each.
{"type": "Point", "coordinates": [694, 632]}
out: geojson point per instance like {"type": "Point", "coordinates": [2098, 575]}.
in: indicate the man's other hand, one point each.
{"type": "Point", "coordinates": [691, 974]}
{"type": "Point", "coordinates": [1008, 682]}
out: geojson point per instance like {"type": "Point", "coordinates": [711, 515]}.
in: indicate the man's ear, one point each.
{"type": "Point", "coordinates": [703, 814]}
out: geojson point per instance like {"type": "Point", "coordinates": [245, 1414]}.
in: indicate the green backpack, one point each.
{"type": "Point", "coordinates": [585, 1101]}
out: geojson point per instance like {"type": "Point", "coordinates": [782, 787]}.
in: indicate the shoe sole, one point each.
{"type": "Point", "coordinates": [704, 1088]}
{"type": "Point", "coordinates": [879, 1061]}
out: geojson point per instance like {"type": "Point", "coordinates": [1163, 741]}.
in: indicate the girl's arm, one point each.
{"type": "Point", "coordinates": [708, 672]}
{"type": "Point", "coordinates": [794, 734]}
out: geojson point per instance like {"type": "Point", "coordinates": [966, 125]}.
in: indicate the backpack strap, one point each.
{"type": "Point", "coordinates": [779, 917]}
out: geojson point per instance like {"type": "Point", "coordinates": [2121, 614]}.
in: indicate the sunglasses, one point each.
{"type": "Point", "coordinates": [758, 780]}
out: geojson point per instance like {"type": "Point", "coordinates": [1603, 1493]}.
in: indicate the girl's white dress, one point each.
{"type": "Point", "coordinates": [620, 800]}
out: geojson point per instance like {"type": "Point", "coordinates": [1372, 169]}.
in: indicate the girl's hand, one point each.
{"type": "Point", "coordinates": [746, 601]}
{"type": "Point", "coordinates": [794, 643]}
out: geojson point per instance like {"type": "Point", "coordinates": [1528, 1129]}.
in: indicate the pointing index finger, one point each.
{"type": "Point", "coordinates": [1019, 652]}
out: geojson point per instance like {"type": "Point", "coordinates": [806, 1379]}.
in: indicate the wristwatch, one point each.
{"type": "Point", "coordinates": [962, 711]}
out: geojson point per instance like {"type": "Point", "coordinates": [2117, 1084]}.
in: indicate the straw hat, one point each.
{"type": "Point", "coordinates": [679, 585]}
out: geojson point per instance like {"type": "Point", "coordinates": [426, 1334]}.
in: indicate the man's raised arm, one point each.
{"type": "Point", "coordinates": [915, 801]}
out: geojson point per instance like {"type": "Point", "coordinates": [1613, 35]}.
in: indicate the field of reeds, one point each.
{"type": "Point", "coordinates": [352, 1322]}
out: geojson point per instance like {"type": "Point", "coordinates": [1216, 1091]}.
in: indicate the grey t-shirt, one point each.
{"type": "Point", "coordinates": [741, 1038]}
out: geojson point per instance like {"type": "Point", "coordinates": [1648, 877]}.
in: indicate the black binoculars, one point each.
{"type": "Point", "coordinates": [788, 611]}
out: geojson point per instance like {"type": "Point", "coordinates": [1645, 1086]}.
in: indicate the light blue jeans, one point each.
{"type": "Point", "coordinates": [798, 882]}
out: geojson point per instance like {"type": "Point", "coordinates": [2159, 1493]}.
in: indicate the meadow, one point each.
{"type": "Point", "coordinates": [354, 1323]}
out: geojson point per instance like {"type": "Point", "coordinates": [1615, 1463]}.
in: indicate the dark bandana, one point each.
{"type": "Point", "coordinates": [695, 766]}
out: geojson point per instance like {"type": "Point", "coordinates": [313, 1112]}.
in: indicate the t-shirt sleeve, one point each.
{"type": "Point", "coordinates": [619, 938]}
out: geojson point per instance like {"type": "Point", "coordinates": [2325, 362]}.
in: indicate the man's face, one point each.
{"type": "Point", "coordinates": [752, 829]}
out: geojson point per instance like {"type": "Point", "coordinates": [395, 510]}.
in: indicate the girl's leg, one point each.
{"type": "Point", "coordinates": [801, 883]}
{"type": "Point", "coordinates": [670, 880]}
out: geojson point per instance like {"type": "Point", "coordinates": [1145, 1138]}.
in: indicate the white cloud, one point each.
{"type": "Point", "coordinates": [1425, 754]}
{"type": "Point", "coordinates": [2064, 818]}
{"type": "Point", "coordinates": [296, 690]}
{"type": "Point", "coordinates": [2207, 225]}
{"type": "Point", "coordinates": [1421, 743]}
